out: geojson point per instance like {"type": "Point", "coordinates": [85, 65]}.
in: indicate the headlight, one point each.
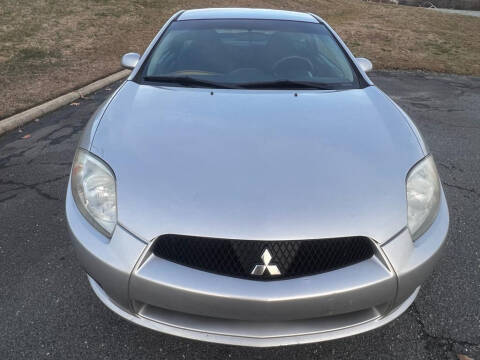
{"type": "Point", "coordinates": [423, 196]}
{"type": "Point", "coordinates": [94, 191]}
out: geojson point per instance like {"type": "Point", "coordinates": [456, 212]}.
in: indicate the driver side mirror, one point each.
{"type": "Point", "coordinates": [365, 64]}
{"type": "Point", "coordinates": [130, 60]}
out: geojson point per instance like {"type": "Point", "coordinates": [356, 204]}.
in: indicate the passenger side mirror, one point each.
{"type": "Point", "coordinates": [365, 64]}
{"type": "Point", "coordinates": [130, 60]}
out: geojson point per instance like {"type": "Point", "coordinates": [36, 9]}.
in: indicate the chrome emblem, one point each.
{"type": "Point", "coordinates": [260, 269]}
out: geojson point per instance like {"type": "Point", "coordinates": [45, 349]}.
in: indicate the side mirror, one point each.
{"type": "Point", "coordinates": [130, 60]}
{"type": "Point", "coordinates": [365, 64]}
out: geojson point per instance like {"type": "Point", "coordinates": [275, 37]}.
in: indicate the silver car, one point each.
{"type": "Point", "coordinates": [248, 184]}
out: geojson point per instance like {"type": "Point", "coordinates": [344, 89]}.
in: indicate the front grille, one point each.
{"type": "Point", "coordinates": [237, 258]}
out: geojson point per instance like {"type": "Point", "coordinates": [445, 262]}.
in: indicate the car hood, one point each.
{"type": "Point", "coordinates": [257, 164]}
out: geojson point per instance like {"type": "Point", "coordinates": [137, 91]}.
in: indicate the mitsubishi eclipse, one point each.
{"type": "Point", "coordinates": [248, 184]}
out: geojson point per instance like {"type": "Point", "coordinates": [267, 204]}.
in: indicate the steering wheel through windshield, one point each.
{"type": "Point", "coordinates": [291, 66]}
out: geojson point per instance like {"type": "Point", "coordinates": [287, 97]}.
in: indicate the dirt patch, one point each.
{"type": "Point", "coordinates": [49, 47]}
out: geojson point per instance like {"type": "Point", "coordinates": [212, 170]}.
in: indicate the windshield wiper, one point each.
{"type": "Point", "coordinates": [186, 81]}
{"type": "Point", "coordinates": [286, 84]}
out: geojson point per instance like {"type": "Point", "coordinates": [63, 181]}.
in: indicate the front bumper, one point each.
{"type": "Point", "coordinates": [186, 302]}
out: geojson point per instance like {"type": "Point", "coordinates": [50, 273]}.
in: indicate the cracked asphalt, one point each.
{"type": "Point", "coordinates": [47, 310]}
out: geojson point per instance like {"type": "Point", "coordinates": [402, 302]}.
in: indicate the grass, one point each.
{"type": "Point", "coordinates": [48, 47]}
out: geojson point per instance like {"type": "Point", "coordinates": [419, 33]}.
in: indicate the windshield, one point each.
{"type": "Point", "coordinates": [249, 54]}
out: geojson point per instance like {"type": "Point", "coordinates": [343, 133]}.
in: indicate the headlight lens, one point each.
{"type": "Point", "coordinates": [94, 191]}
{"type": "Point", "coordinates": [423, 196]}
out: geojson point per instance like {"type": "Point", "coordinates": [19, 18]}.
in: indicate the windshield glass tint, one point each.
{"type": "Point", "coordinates": [248, 52]}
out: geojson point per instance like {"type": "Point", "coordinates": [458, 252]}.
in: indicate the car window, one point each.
{"type": "Point", "coordinates": [238, 52]}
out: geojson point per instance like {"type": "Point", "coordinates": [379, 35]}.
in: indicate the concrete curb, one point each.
{"type": "Point", "coordinates": [26, 116]}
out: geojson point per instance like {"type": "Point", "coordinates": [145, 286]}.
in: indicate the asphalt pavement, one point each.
{"type": "Point", "coordinates": [47, 310]}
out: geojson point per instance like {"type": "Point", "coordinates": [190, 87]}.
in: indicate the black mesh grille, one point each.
{"type": "Point", "coordinates": [238, 257]}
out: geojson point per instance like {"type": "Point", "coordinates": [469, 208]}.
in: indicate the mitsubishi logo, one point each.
{"type": "Point", "coordinates": [260, 269]}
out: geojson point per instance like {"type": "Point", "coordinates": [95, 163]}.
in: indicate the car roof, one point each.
{"type": "Point", "coordinates": [245, 13]}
